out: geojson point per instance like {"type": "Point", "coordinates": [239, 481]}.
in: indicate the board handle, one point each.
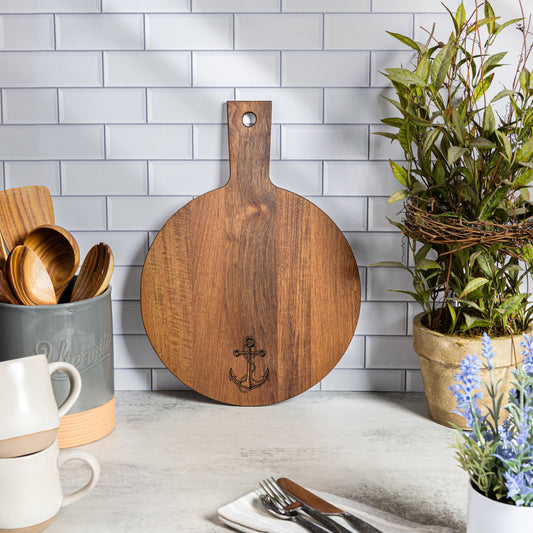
{"type": "Point", "coordinates": [249, 128]}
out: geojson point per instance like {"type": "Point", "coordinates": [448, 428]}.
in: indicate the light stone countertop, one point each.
{"type": "Point", "coordinates": [175, 457]}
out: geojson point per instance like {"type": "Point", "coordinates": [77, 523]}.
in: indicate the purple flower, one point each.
{"type": "Point", "coordinates": [527, 343]}
{"type": "Point", "coordinates": [514, 483]}
{"type": "Point", "coordinates": [511, 443]}
{"type": "Point", "coordinates": [467, 382]}
{"type": "Point", "coordinates": [487, 350]}
{"type": "Point", "coordinates": [519, 487]}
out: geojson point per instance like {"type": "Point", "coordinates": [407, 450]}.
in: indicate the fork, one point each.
{"type": "Point", "coordinates": [276, 510]}
{"type": "Point", "coordinates": [285, 501]}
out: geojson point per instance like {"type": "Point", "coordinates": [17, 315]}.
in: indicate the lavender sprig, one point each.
{"type": "Point", "coordinates": [516, 437]}
{"type": "Point", "coordinates": [467, 382]}
{"type": "Point", "coordinates": [497, 457]}
{"type": "Point", "coordinates": [527, 344]}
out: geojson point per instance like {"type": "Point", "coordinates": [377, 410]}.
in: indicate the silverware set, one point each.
{"type": "Point", "coordinates": [286, 500]}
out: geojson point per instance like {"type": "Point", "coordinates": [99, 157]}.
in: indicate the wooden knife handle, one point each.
{"type": "Point", "coordinates": [308, 497]}
{"type": "Point", "coordinates": [317, 503]}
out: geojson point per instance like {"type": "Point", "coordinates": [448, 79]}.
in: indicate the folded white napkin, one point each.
{"type": "Point", "coordinates": [248, 515]}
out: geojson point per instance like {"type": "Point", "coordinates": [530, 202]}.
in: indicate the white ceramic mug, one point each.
{"type": "Point", "coordinates": [30, 488]}
{"type": "Point", "coordinates": [29, 415]}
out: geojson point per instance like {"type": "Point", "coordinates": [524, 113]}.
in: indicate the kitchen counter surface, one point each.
{"type": "Point", "coordinates": [175, 457]}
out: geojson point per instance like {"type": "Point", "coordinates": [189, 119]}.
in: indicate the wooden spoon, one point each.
{"type": "Point", "coordinates": [58, 250]}
{"type": "Point", "coordinates": [28, 277]}
{"type": "Point", "coordinates": [95, 273]}
{"type": "Point", "coordinates": [3, 252]}
{"type": "Point", "coordinates": [21, 210]}
{"type": "Point", "coordinates": [6, 294]}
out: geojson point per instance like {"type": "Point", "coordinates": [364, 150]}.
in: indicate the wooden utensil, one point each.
{"type": "Point", "coordinates": [21, 210]}
{"type": "Point", "coordinates": [3, 252]}
{"type": "Point", "coordinates": [28, 277]}
{"type": "Point", "coordinates": [250, 294]}
{"type": "Point", "coordinates": [58, 250]}
{"type": "Point", "coordinates": [95, 273]}
{"type": "Point", "coordinates": [6, 294]}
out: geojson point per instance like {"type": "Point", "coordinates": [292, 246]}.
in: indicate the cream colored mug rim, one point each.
{"type": "Point", "coordinates": [22, 358]}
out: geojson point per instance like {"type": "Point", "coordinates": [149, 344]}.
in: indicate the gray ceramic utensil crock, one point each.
{"type": "Point", "coordinates": [80, 333]}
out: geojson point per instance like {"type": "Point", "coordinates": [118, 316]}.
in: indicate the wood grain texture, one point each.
{"type": "Point", "coordinates": [95, 273]}
{"type": "Point", "coordinates": [28, 278]}
{"type": "Point", "coordinates": [307, 497]}
{"type": "Point", "coordinates": [6, 294]}
{"type": "Point", "coordinates": [245, 261]}
{"type": "Point", "coordinates": [3, 252]}
{"type": "Point", "coordinates": [58, 250]}
{"type": "Point", "coordinates": [21, 210]}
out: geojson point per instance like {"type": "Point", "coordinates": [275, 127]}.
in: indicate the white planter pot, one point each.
{"type": "Point", "coordinates": [489, 516]}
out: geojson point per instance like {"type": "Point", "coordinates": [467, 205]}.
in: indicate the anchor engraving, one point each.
{"type": "Point", "coordinates": [248, 382]}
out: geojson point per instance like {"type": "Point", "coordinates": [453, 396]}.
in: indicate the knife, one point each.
{"type": "Point", "coordinates": [322, 506]}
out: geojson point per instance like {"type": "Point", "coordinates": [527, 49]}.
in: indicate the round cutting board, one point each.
{"type": "Point", "coordinates": [250, 294]}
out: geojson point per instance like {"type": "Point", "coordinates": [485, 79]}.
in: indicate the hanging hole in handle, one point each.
{"type": "Point", "coordinates": [249, 119]}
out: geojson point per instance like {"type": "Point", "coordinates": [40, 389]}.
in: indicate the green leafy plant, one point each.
{"type": "Point", "coordinates": [468, 162]}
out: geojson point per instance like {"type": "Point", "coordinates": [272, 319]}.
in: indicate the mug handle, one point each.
{"type": "Point", "coordinates": [75, 384]}
{"type": "Point", "coordinates": [91, 461]}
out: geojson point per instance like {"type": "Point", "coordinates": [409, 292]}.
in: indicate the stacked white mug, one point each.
{"type": "Point", "coordinates": [30, 487]}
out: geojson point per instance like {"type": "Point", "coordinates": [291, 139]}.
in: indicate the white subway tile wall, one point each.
{"type": "Point", "coordinates": [24, 173]}
{"type": "Point", "coordinates": [118, 107]}
{"type": "Point", "coordinates": [99, 32]}
{"type": "Point", "coordinates": [50, 69]}
{"type": "Point", "coordinates": [29, 106]}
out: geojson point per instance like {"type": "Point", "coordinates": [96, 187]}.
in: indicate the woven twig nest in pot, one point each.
{"type": "Point", "coordinates": [432, 228]}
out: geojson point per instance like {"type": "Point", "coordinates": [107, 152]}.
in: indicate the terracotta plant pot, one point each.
{"type": "Point", "coordinates": [440, 356]}
{"type": "Point", "coordinates": [489, 516]}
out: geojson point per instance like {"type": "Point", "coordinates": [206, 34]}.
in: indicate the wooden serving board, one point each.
{"type": "Point", "coordinates": [250, 294]}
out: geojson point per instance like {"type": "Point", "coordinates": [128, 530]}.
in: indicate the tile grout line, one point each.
{"type": "Point", "coordinates": [193, 125]}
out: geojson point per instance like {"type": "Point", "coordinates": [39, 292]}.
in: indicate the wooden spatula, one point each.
{"type": "Point", "coordinates": [21, 210]}
{"type": "Point", "coordinates": [95, 273]}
